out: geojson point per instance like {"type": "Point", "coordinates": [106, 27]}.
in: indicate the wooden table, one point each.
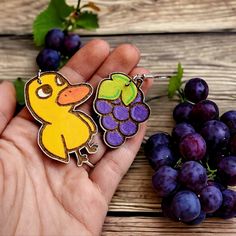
{"type": "Point", "coordinates": [199, 34]}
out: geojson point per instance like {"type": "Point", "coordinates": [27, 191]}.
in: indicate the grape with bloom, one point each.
{"type": "Point", "coordinates": [58, 45]}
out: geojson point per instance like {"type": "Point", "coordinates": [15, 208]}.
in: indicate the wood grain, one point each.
{"type": "Point", "coordinates": [128, 17]}
{"type": "Point", "coordinates": [211, 56]}
{"type": "Point", "coordinates": [145, 226]}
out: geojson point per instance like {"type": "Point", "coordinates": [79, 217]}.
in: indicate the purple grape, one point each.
{"type": "Point", "coordinates": [108, 122]}
{"type": "Point", "coordinates": [103, 107]}
{"type": "Point", "coordinates": [181, 130]}
{"type": "Point", "coordinates": [155, 140]}
{"type": "Point", "coordinates": [229, 118]}
{"type": "Point", "coordinates": [71, 44]}
{"type": "Point", "coordinates": [186, 206]}
{"type": "Point", "coordinates": [139, 98]}
{"type": "Point", "coordinates": [216, 134]}
{"type": "Point", "coordinates": [204, 111]}
{"type": "Point", "coordinates": [228, 207]}
{"type": "Point", "coordinates": [121, 112]}
{"type": "Point", "coordinates": [139, 112]}
{"type": "Point", "coordinates": [48, 59]}
{"type": "Point", "coordinates": [182, 112]}
{"type": "Point", "coordinates": [165, 181]}
{"type": "Point", "coordinates": [211, 199]}
{"type": "Point", "coordinates": [196, 90]}
{"type": "Point", "coordinates": [215, 156]}
{"type": "Point", "coordinates": [193, 176]}
{"type": "Point", "coordinates": [54, 39]}
{"type": "Point", "coordinates": [160, 156]}
{"type": "Point", "coordinates": [128, 128]}
{"type": "Point", "coordinates": [117, 101]}
{"type": "Point", "coordinates": [232, 144]}
{"type": "Point", "coordinates": [218, 185]}
{"type": "Point", "coordinates": [227, 170]}
{"type": "Point", "coordinates": [114, 138]}
{"type": "Point", "coordinates": [198, 220]}
{"type": "Point", "coordinates": [193, 147]}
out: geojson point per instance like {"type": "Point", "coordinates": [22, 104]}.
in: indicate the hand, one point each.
{"type": "Point", "coordinates": [40, 196]}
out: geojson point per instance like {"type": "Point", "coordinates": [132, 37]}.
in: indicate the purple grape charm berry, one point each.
{"type": "Point", "coordinates": [195, 165]}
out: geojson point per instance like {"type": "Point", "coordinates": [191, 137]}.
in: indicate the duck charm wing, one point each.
{"type": "Point", "coordinates": [64, 130]}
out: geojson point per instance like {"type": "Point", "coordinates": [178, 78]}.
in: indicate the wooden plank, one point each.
{"type": "Point", "coordinates": [147, 226]}
{"type": "Point", "coordinates": [128, 17]}
{"type": "Point", "coordinates": [210, 56]}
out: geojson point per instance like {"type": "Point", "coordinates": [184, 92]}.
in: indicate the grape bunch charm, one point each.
{"type": "Point", "coordinates": [120, 104]}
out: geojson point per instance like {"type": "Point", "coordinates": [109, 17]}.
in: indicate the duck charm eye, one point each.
{"type": "Point", "coordinates": [65, 130]}
{"type": "Point", "coordinates": [44, 91]}
{"type": "Point", "coordinates": [59, 80]}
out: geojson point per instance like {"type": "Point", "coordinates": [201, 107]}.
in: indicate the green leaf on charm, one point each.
{"type": "Point", "coordinates": [121, 79]}
{"type": "Point", "coordinates": [129, 93]}
{"type": "Point", "coordinates": [87, 20]}
{"type": "Point", "coordinates": [53, 17]}
{"type": "Point", "coordinates": [109, 90]}
{"type": "Point", "coordinates": [118, 84]}
{"type": "Point", "coordinates": [175, 81]}
{"type": "Point", "coordinates": [19, 87]}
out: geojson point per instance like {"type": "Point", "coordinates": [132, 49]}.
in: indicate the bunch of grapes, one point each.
{"type": "Point", "coordinates": [119, 121]}
{"type": "Point", "coordinates": [195, 165]}
{"type": "Point", "coordinates": [58, 45]}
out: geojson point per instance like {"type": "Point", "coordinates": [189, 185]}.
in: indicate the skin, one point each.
{"type": "Point", "coordinates": [39, 196]}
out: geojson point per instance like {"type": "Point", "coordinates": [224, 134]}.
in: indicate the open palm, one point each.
{"type": "Point", "coordinates": [39, 196]}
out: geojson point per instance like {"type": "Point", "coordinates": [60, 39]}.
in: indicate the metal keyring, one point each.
{"type": "Point", "coordinates": [38, 77]}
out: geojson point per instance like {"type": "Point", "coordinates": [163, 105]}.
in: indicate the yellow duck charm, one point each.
{"type": "Point", "coordinates": [52, 100]}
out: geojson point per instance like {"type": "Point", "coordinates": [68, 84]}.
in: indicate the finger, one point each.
{"type": "Point", "coordinates": [147, 83]}
{"type": "Point", "coordinates": [86, 61]}
{"type": "Point", "coordinates": [81, 66]}
{"type": "Point", "coordinates": [7, 103]}
{"type": "Point", "coordinates": [99, 138]}
{"type": "Point", "coordinates": [124, 58]}
{"type": "Point", "coordinates": [115, 163]}
{"type": "Point", "coordinates": [112, 167]}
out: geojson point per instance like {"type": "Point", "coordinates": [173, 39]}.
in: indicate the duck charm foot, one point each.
{"type": "Point", "coordinates": [82, 159]}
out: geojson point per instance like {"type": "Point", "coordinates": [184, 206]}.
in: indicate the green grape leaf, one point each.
{"type": "Point", "coordinates": [87, 20]}
{"type": "Point", "coordinates": [129, 93]}
{"type": "Point", "coordinates": [175, 81]}
{"type": "Point", "coordinates": [109, 90]}
{"type": "Point", "coordinates": [19, 87]}
{"type": "Point", "coordinates": [120, 78]}
{"type": "Point", "coordinates": [53, 17]}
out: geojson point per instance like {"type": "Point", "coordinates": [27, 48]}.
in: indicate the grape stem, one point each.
{"type": "Point", "coordinates": [78, 6]}
{"type": "Point", "coordinates": [181, 94]}
{"type": "Point", "coordinates": [178, 163]}
{"type": "Point", "coordinates": [211, 174]}
{"type": "Point", "coordinates": [74, 15]}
